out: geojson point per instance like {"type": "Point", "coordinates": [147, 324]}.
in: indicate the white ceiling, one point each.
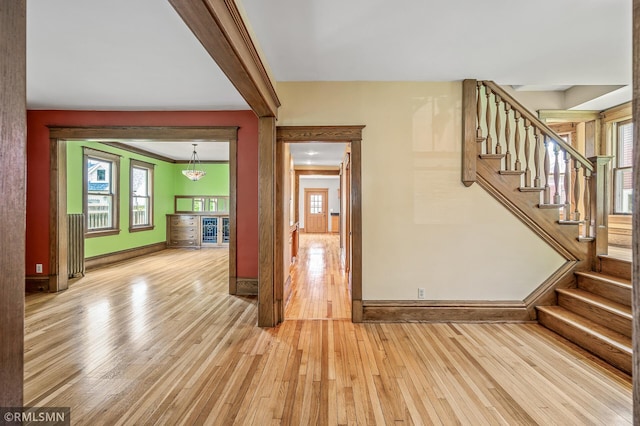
{"type": "Point", "coordinates": [543, 42]}
{"type": "Point", "coordinates": [119, 55]}
{"type": "Point", "coordinates": [317, 154]}
{"type": "Point", "coordinates": [138, 54]}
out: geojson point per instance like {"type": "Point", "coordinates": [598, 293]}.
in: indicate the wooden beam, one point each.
{"type": "Point", "coordinates": [219, 27]}
{"type": "Point", "coordinates": [319, 133]}
{"type": "Point", "coordinates": [233, 215]}
{"type": "Point", "coordinates": [156, 133]}
{"type": "Point", "coordinates": [266, 221]}
{"type": "Point", "coordinates": [13, 124]}
{"type": "Point", "coordinates": [635, 299]}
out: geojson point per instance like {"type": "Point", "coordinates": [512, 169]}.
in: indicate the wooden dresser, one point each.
{"type": "Point", "coordinates": [183, 230]}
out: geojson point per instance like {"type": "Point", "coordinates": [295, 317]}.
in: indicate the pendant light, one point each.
{"type": "Point", "coordinates": [193, 173]}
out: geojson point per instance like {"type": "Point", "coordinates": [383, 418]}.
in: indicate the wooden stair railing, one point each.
{"type": "Point", "coordinates": [538, 176]}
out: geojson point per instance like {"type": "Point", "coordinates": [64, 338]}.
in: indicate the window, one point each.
{"type": "Point", "coordinates": [100, 192]}
{"type": "Point", "coordinates": [622, 172]}
{"type": "Point", "coordinates": [141, 211]}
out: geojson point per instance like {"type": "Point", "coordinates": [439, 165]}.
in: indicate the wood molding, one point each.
{"type": "Point", "coordinates": [635, 299]}
{"type": "Point", "coordinates": [567, 115]}
{"type": "Point", "coordinates": [136, 150]}
{"type": "Point", "coordinates": [159, 133]}
{"type": "Point", "coordinates": [266, 222]}
{"type": "Point", "coordinates": [37, 283]}
{"type": "Point", "coordinates": [469, 136]}
{"type": "Point", "coordinates": [219, 27]}
{"type": "Point", "coordinates": [233, 214]}
{"type": "Point", "coordinates": [545, 294]}
{"type": "Point", "coordinates": [13, 169]}
{"type": "Point", "coordinates": [618, 113]}
{"type": "Point", "coordinates": [99, 261]}
{"type": "Point", "coordinates": [247, 286]}
{"type": "Point", "coordinates": [348, 134]}
{"type": "Point", "coordinates": [307, 172]}
{"type": "Point", "coordinates": [319, 133]}
{"type": "Point", "coordinates": [443, 311]}
{"type": "Point", "coordinates": [58, 187]}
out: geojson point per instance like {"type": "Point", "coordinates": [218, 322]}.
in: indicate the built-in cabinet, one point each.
{"type": "Point", "coordinates": [197, 230]}
{"type": "Point", "coordinates": [199, 221]}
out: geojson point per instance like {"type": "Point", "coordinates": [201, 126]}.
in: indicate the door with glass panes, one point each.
{"type": "Point", "coordinates": [215, 231]}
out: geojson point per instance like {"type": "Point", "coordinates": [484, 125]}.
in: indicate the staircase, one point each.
{"type": "Point", "coordinates": [596, 315]}
{"type": "Point", "coordinates": [562, 197]}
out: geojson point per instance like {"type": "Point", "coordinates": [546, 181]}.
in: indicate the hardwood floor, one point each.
{"type": "Point", "coordinates": [159, 341]}
{"type": "Point", "coordinates": [319, 287]}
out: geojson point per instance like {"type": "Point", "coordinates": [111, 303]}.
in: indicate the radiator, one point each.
{"type": "Point", "coordinates": [75, 255]}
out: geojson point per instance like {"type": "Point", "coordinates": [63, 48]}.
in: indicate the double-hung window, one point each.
{"type": "Point", "coordinates": [622, 173]}
{"type": "Point", "coordinates": [141, 211]}
{"type": "Point", "coordinates": [100, 192]}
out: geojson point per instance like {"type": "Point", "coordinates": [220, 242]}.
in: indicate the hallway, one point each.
{"type": "Point", "coordinates": [319, 286]}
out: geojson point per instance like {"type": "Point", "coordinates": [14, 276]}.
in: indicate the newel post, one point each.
{"type": "Point", "coordinates": [600, 203]}
{"type": "Point", "coordinates": [469, 136]}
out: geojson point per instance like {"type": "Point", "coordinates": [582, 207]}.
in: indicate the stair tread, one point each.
{"type": "Point", "coordinates": [599, 301]}
{"type": "Point", "coordinates": [613, 338]}
{"type": "Point", "coordinates": [610, 279]}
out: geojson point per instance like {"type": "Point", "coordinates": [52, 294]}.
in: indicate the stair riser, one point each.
{"type": "Point", "coordinates": [588, 342]}
{"type": "Point", "coordinates": [602, 288]}
{"type": "Point", "coordinates": [596, 314]}
{"type": "Point", "coordinates": [615, 267]}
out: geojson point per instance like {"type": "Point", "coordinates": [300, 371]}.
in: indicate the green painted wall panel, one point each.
{"type": "Point", "coordinates": [168, 182]}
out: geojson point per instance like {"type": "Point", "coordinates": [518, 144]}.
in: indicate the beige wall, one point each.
{"type": "Point", "coordinates": [421, 226]}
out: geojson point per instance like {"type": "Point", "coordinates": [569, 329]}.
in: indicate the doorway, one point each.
{"type": "Point", "coordinates": [315, 210]}
{"type": "Point", "coordinates": [59, 250]}
{"type": "Point", "coordinates": [353, 279]}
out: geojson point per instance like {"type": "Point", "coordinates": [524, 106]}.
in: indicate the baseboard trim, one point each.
{"type": "Point", "coordinates": [246, 286]}
{"type": "Point", "coordinates": [444, 311]}
{"type": "Point", "coordinates": [37, 283]}
{"type": "Point", "coordinates": [95, 262]}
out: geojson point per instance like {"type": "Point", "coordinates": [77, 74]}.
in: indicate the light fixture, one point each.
{"type": "Point", "coordinates": [191, 172]}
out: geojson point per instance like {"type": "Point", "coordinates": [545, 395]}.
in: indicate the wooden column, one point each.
{"type": "Point", "coordinates": [356, 232]}
{"type": "Point", "coordinates": [12, 187]}
{"type": "Point", "coordinates": [635, 300]}
{"type": "Point", "coordinates": [469, 141]}
{"type": "Point", "coordinates": [266, 221]}
{"type": "Point", "coordinates": [233, 216]}
{"type": "Point", "coordinates": [600, 203]}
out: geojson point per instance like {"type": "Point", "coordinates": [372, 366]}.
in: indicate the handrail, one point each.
{"type": "Point", "coordinates": [538, 123]}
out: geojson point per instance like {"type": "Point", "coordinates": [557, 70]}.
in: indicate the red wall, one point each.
{"type": "Point", "coordinates": [37, 238]}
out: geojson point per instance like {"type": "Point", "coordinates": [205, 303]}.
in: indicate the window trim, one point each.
{"type": "Point", "coordinates": [616, 166]}
{"type": "Point", "coordinates": [114, 159]}
{"type": "Point", "coordinates": [150, 190]}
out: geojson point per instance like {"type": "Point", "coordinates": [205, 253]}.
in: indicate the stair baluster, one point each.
{"type": "Point", "coordinates": [489, 144]}
{"type": "Point", "coordinates": [556, 173]}
{"type": "Point", "coordinates": [536, 158]}
{"type": "Point", "coordinates": [576, 190]}
{"type": "Point", "coordinates": [517, 116]}
{"type": "Point", "coordinates": [588, 230]}
{"type": "Point", "coordinates": [547, 170]}
{"type": "Point", "coordinates": [507, 136]}
{"type": "Point", "coordinates": [567, 186]}
{"type": "Point", "coordinates": [527, 148]}
{"type": "Point", "coordinates": [498, 126]}
{"type": "Point", "coordinates": [479, 111]}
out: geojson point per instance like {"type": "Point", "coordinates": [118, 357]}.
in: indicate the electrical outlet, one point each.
{"type": "Point", "coordinates": [420, 293]}
{"type": "Point", "coordinates": [38, 268]}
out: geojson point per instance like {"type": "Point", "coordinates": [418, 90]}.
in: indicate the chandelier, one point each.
{"type": "Point", "coordinates": [192, 173]}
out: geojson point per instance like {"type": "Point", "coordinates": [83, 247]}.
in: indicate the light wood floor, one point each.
{"type": "Point", "coordinates": [319, 287]}
{"type": "Point", "coordinates": [158, 341]}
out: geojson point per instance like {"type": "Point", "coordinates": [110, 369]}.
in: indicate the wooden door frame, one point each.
{"type": "Point", "coordinates": [325, 206]}
{"type": "Point", "coordinates": [58, 247]}
{"type": "Point", "coordinates": [300, 134]}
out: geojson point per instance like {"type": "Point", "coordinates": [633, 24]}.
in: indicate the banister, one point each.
{"type": "Point", "coordinates": [538, 123]}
